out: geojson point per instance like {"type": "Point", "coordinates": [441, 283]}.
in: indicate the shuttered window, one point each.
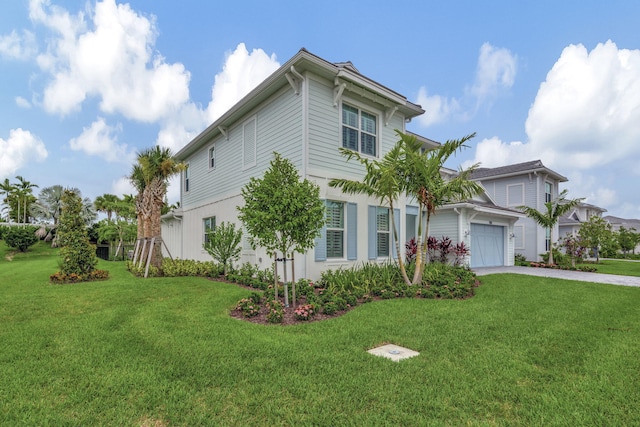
{"type": "Point", "coordinates": [335, 229]}
{"type": "Point", "coordinates": [212, 157]}
{"type": "Point", "coordinates": [382, 232]}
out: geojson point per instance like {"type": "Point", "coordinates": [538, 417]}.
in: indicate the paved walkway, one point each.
{"type": "Point", "coordinates": [583, 276]}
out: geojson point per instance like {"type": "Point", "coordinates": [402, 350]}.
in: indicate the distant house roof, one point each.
{"type": "Point", "coordinates": [626, 223]}
{"type": "Point", "coordinates": [534, 166]}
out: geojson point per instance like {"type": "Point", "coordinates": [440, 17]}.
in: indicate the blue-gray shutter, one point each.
{"type": "Point", "coordinates": [352, 231]}
{"type": "Point", "coordinates": [321, 243]}
{"type": "Point", "coordinates": [396, 221]}
{"type": "Point", "coordinates": [372, 232]}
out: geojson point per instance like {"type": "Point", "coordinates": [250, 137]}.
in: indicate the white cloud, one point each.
{"type": "Point", "coordinates": [495, 72]}
{"type": "Point", "coordinates": [21, 148]}
{"type": "Point", "coordinates": [585, 124]}
{"type": "Point", "coordinates": [22, 102]}
{"type": "Point", "coordinates": [100, 140]}
{"type": "Point", "coordinates": [122, 186]}
{"type": "Point", "coordinates": [437, 108]}
{"type": "Point", "coordinates": [16, 46]}
{"type": "Point", "coordinates": [241, 73]}
{"type": "Point", "coordinates": [588, 109]}
{"type": "Point", "coordinates": [114, 61]}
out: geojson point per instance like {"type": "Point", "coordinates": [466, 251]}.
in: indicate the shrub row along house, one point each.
{"type": "Point", "coordinates": [306, 111]}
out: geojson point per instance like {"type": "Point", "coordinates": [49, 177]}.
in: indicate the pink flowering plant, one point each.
{"type": "Point", "coordinates": [248, 307]}
{"type": "Point", "coordinates": [305, 312]}
{"type": "Point", "coordinates": [275, 311]}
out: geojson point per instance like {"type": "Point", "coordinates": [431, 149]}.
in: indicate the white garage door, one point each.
{"type": "Point", "coordinates": [487, 245]}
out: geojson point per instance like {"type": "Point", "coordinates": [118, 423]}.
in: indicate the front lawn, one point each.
{"type": "Point", "coordinates": [165, 352]}
{"type": "Point", "coordinates": [624, 268]}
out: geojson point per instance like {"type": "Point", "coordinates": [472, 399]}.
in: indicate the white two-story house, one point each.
{"type": "Point", "coordinates": [306, 110]}
{"type": "Point", "coordinates": [572, 221]}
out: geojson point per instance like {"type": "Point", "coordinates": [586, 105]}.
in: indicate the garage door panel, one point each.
{"type": "Point", "coordinates": [487, 245]}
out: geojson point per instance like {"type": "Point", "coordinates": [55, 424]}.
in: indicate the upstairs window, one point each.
{"type": "Point", "coordinates": [186, 179]}
{"type": "Point", "coordinates": [212, 157]}
{"type": "Point", "coordinates": [208, 226]}
{"type": "Point", "coordinates": [359, 130]}
{"type": "Point", "coordinates": [548, 192]}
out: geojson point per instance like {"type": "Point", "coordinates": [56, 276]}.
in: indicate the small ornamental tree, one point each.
{"type": "Point", "coordinates": [77, 253]}
{"type": "Point", "coordinates": [21, 238]}
{"type": "Point", "coordinates": [594, 233]}
{"type": "Point", "coordinates": [223, 244]}
{"type": "Point", "coordinates": [628, 239]}
{"type": "Point", "coordinates": [281, 213]}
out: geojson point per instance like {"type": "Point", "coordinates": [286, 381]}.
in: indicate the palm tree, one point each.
{"type": "Point", "coordinates": [24, 190]}
{"type": "Point", "coordinates": [155, 166]}
{"type": "Point", "coordinates": [385, 180]}
{"type": "Point", "coordinates": [107, 203]}
{"type": "Point", "coordinates": [7, 188]}
{"type": "Point", "coordinates": [548, 218]}
{"type": "Point", "coordinates": [426, 183]}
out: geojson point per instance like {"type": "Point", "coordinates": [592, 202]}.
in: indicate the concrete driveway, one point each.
{"type": "Point", "coordinates": [582, 276]}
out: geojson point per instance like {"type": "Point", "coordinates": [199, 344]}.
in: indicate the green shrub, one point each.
{"type": "Point", "coordinates": [275, 311]}
{"type": "Point", "coordinates": [20, 238]}
{"type": "Point", "coordinates": [248, 307]}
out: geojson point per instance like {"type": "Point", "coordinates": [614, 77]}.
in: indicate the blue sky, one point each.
{"type": "Point", "coordinates": [87, 84]}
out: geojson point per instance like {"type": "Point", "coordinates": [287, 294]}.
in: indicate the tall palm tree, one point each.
{"type": "Point", "coordinates": [24, 190]}
{"type": "Point", "coordinates": [426, 183]}
{"type": "Point", "coordinates": [107, 203]}
{"type": "Point", "coordinates": [150, 176]}
{"type": "Point", "coordinates": [549, 217]}
{"type": "Point", "coordinates": [385, 180]}
{"type": "Point", "coordinates": [7, 188]}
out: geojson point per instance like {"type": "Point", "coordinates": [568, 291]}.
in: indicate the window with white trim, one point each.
{"type": "Point", "coordinates": [212, 157]}
{"type": "Point", "coordinates": [208, 226]}
{"type": "Point", "coordinates": [335, 229]}
{"type": "Point", "coordinates": [548, 192]}
{"type": "Point", "coordinates": [547, 239]}
{"type": "Point", "coordinates": [186, 179]}
{"type": "Point", "coordinates": [249, 140]}
{"type": "Point", "coordinates": [383, 235]}
{"type": "Point", "coordinates": [359, 130]}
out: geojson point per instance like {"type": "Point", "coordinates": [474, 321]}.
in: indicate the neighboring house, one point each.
{"type": "Point", "coordinates": [523, 184]}
{"type": "Point", "coordinates": [571, 222]}
{"type": "Point", "coordinates": [617, 222]}
{"type": "Point", "coordinates": [306, 111]}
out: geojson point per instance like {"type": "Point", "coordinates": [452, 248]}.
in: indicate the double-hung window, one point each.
{"type": "Point", "coordinates": [186, 179]}
{"type": "Point", "coordinates": [208, 226]}
{"type": "Point", "coordinates": [383, 238]}
{"type": "Point", "coordinates": [359, 130]}
{"type": "Point", "coordinates": [548, 192]}
{"type": "Point", "coordinates": [335, 229]}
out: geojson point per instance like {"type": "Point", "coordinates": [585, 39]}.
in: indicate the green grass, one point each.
{"type": "Point", "coordinates": [524, 351]}
{"type": "Point", "coordinates": [624, 268]}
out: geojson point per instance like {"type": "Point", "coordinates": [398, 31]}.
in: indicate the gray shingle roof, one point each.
{"type": "Point", "coordinates": [515, 169]}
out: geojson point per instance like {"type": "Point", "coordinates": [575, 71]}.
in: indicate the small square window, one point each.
{"type": "Point", "coordinates": [208, 225]}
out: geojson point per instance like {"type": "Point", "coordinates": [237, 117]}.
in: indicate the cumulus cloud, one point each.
{"type": "Point", "coordinates": [437, 108]}
{"type": "Point", "coordinates": [111, 57]}
{"type": "Point", "coordinates": [101, 140]}
{"type": "Point", "coordinates": [22, 102]}
{"type": "Point", "coordinates": [18, 46]}
{"type": "Point", "coordinates": [495, 73]}
{"type": "Point", "coordinates": [241, 73]}
{"type": "Point", "coordinates": [584, 123]}
{"type": "Point", "coordinates": [19, 149]}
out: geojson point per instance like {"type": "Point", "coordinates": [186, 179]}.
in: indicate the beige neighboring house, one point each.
{"type": "Point", "coordinates": [617, 222]}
